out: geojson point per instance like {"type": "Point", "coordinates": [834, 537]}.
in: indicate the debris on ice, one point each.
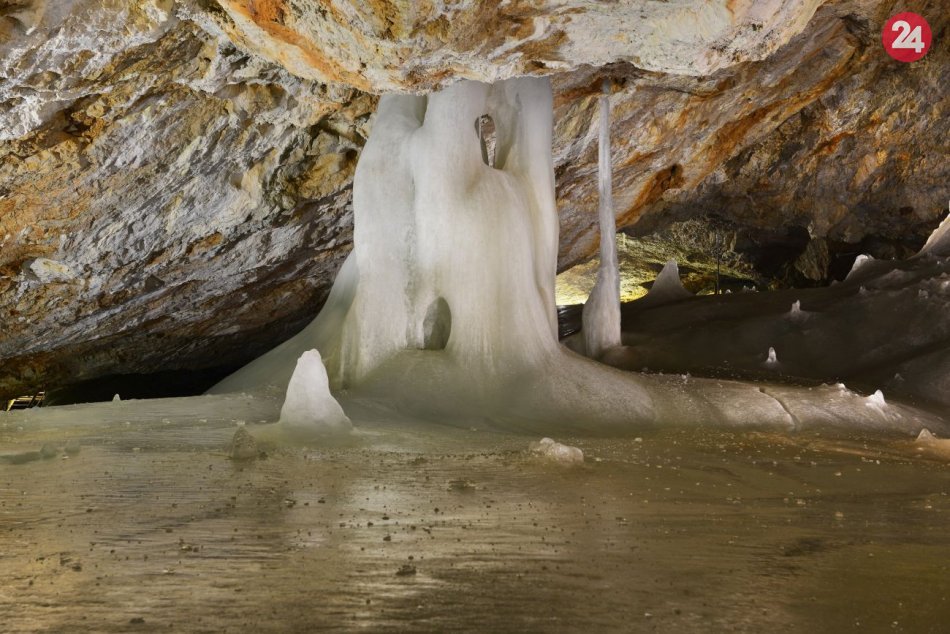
{"type": "Point", "coordinates": [556, 452]}
{"type": "Point", "coordinates": [243, 445]}
{"type": "Point", "coordinates": [929, 442]}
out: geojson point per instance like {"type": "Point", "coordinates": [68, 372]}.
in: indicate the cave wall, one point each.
{"type": "Point", "coordinates": [175, 176]}
{"type": "Point", "coordinates": [829, 135]}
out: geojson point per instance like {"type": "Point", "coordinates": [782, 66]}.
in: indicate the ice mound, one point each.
{"type": "Point", "coordinates": [243, 445]}
{"type": "Point", "coordinates": [771, 361]}
{"type": "Point", "coordinates": [929, 443]}
{"type": "Point", "coordinates": [876, 400]}
{"type": "Point", "coordinates": [939, 241]}
{"type": "Point", "coordinates": [859, 262]}
{"type": "Point", "coordinates": [309, 409]}
{"type": "Point", "coordinates": [667, 287]}
{"type": "Point", "coordinates": [548, 449]}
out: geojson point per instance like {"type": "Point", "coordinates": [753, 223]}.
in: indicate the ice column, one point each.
{"type": "Point", "coordinates": [601, 316]}
{"type": "Point", "coordinates": [452, 258]}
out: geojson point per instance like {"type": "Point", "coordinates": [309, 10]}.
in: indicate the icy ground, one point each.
{"type": "Point", "coordinates": [134, 517]}
{"type": "Point", "coordinates": [887, 327]}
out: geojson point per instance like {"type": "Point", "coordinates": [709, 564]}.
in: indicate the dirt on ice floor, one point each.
{"type": "Point", "coordinates": [119, 526]}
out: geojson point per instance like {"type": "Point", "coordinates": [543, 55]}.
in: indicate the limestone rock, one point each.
{"type": "Point", "coordinates": [814, 261]}
{"type": "Point", "coordinates": [769, 145]}
{"type": "Point", "coordinates": [398, 46]}
{"type": "Point", "coordinates": [45, 270]}
{"type": "Point", "coordinates": [178, 179]}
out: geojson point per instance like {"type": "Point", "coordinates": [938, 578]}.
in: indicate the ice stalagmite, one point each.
{"type": "Point", "coordinates": [309, 408]}
{"type": "Point", "coordinates": [859, 262]}
{"type": "Point", "coordinates": [601, 316]}
{"type": "Point", "coordinates": [939, 242]}
{"type": "Point", "coordinates": [667, 287]}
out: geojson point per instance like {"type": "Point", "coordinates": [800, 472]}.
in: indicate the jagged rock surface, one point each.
{"type": "Point", "coordinates": [194, 194]}
{"type": "Point", "coordinates": [386, 45]}
{"type": "Point", "coordinates": [175, 176]}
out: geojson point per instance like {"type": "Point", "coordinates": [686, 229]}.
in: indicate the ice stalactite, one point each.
{"type": "Point", "coordinates": [601, 315]}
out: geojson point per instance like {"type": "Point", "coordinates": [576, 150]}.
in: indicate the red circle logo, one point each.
{"type": "Point", "coordinates": [906, 37]}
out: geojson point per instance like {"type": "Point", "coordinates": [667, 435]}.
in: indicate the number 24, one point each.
{"type": "Point", "coordinates": [908, 38]}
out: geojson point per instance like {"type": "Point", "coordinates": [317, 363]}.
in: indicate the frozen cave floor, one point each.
{"type": "Point", "coordinates": [131, 514]}
{"type": "Point", "coordinates": [884, 328]}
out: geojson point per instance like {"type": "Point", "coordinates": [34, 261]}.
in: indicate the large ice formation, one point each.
{"type": "Point", "coordinates": [446, 305]}
{"type": "Point", "coordinates": [601, 314]}
{"type": "Point", "coordinates": [445, 308]}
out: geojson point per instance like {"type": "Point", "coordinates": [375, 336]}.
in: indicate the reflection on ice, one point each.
{"type": "Point", "coordinates": [673, 530]}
